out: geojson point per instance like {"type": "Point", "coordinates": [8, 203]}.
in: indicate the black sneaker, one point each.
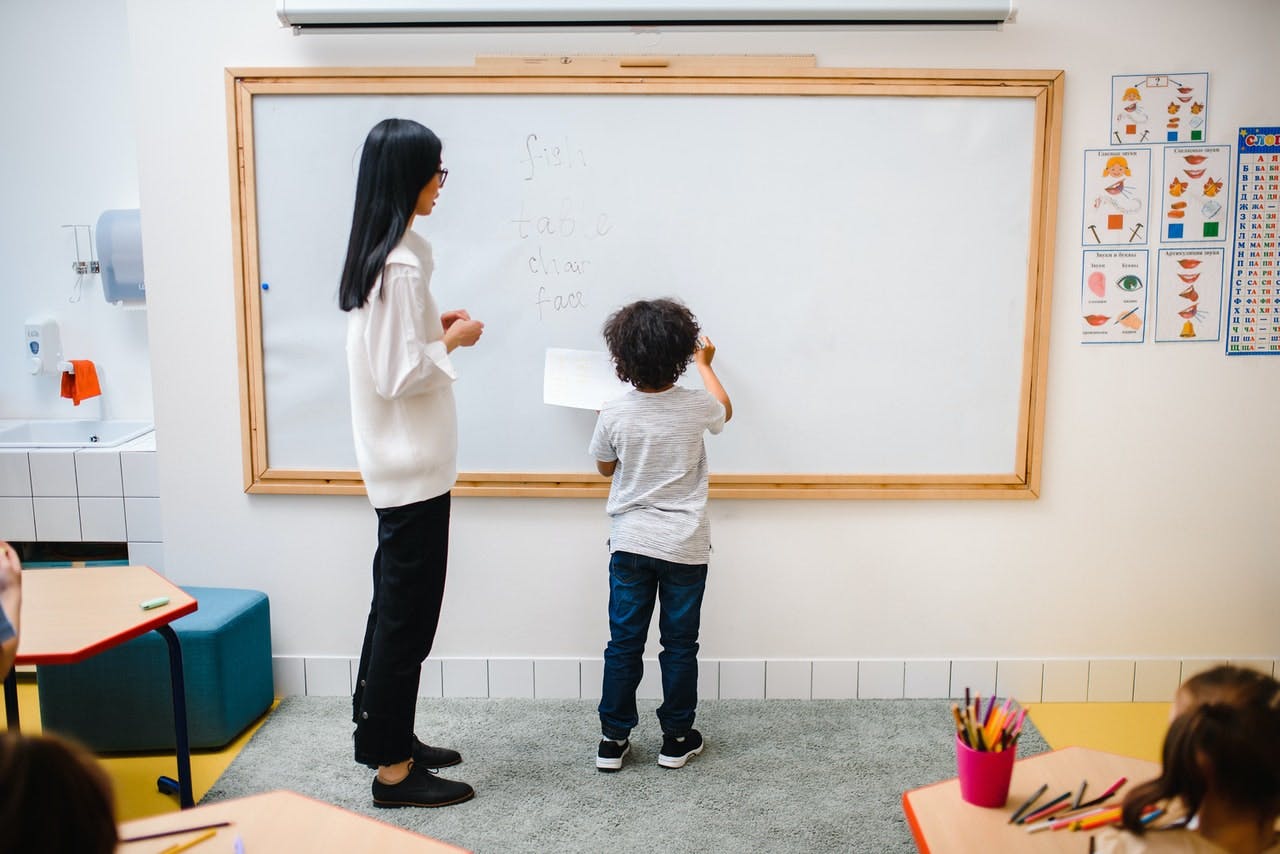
{"type": "Point", "coordinates": [422, 788]}
{"type": "Point", "coordinates": [676, 751]}
{"type": "Point", "coordinates": [610, 754]}
{"type": "Point", "coordinates": [434, 757]}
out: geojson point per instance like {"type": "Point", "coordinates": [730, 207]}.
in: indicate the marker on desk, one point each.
{"type": "Point", "coordinates": [154, 603]}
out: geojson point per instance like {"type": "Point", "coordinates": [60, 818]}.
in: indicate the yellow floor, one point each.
{"type": "Point", "coordinates": [1131, 729]}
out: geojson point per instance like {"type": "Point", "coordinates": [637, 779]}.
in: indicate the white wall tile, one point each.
{"type": "Point", "coordinates": [1063, 682]}
{"type": "Point", "coordinates": [1156, 681]}
{"type": "Point", "coordinates": [430, 684]}
{"type": "Point", "coordinates": [592, 677]}
{"type": "Point", "coordinates": [1261, 665]}
{"type": "Point", "coordinates": [17, 519]}
{"type": "Point", "coordinates": [102, 520]}
{"type": "Point", "coordinates": [976, 675]}
{"type": "Point", "coordinates": [557, 678]}
{"type": "Point", "coordinates": [1021, 680]}
{"type": "Point", "coordinates": [926, 680]}
{"type": "Point", "coordinates": [289, 675]}
{"type": "Point", "coordinates": [328, 677]}
{"type": "Point", "coordinates": [1192, 666]}
{"type": "Point", "coordinates": [511, 677]}
{"type": "Point", "coordinates": [53, 473]}
{"type": "Point", "coordinates": [835, 680]}
{"type": "Point", "coordinates": [147, 554]}
{"type": "Point", "coordinates": [880, 680]}
{"type": "Point", "coordinates": [788, 680]}
{"type": "Point", "coordinates": [98, 474]}
{"type": "Point", "coordinates": [741, 680]}
{"type": "Point", "coordinates": [15, 474]}
{"type": "Point", "coordinates": [650, 687]}
{"type": "Point", "coordinates": [708, 680]}
{"type": "Point", "coordinates": [57, 519]}
{"type": "Point", "coordinates": [140, 473]}
{"type": "Point", "coordinates": [464, 677]}
{"type": "Point", "coordinates": [142, 519]}
{"type": "Point", "coordinates": [1111, 681]}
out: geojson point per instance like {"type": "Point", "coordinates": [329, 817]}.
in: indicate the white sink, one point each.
{"type": "Point", "coordinates": [64, 433]}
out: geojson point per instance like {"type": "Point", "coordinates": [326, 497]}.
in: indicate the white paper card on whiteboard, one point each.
{"type": "Point", "coordinates": [582, 379]}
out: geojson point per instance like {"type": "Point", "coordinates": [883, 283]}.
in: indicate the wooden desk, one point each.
{"type": "Point", "coordinates": [943, 824]}
{"type": "Point", "coordinates": [280, 821]}
{"type": "Point", "coordinates": [69, 615]}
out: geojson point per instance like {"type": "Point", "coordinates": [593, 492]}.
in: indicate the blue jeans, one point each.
{"type": "Point", "coordinates": [635, 582]}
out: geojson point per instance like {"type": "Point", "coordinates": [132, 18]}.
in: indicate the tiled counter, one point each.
{"type": "Point", "coordinates": [103, 495]}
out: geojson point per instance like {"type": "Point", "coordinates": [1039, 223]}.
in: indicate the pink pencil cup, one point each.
{"type": "Point", "coordinates": [984, 776]}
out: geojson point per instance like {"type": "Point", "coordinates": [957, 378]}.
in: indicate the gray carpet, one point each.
{"type": "Point", "coordinates": [777, 775]}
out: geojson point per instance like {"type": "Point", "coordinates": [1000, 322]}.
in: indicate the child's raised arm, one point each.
{"type": "Point", "coordinates": [702, 358]}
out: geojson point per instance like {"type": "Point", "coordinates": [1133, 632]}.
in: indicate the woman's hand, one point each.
{"type": "Point", "coordinates": [462, 332]}
{"type": "Point", "coordinates": [447, 319]}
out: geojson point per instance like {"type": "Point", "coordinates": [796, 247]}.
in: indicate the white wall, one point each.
{"type": "Point", "coordinates": [1155, 535]}
{"type": "Point", "coordinates": [69, 155]}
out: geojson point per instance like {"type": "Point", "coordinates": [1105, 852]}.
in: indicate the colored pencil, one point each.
{"type": "Point", "coordinates": [1044, 787]}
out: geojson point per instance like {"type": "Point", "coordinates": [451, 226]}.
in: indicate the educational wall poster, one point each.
{"type": "Point", "coordinates": [1195, 187]}
{"type": "Point", "coordinates": [1157, 108]}
{"type": "Point", "coordinates": [1253, 319]}
{"type": "Point", "coordinates": [1113, 296]}
{"type": "Point", "coordinates": [1117, 195]}
{"type": "Point", "coordinates": [1189, 294]}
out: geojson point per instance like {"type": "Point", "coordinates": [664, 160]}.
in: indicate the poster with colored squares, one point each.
{"type": "Point", "coordinates": [1113, 296]}
{"type": "Point", "coordinates": [1117, 196]}
{"type": "Point", "coordinates": [1189, 294]}
{"type": "Point", "coordinates": [1159, 108]}
{"type": "Point", "coordinates": [1195, 195]}
{"type": "Point", "coordinates": [1253, 319]}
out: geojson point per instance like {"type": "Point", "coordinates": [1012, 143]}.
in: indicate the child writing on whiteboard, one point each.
{"type": "Point", "coordinates": [650, 441]}
{"type": "Point", "coordinates": [1221, 762]}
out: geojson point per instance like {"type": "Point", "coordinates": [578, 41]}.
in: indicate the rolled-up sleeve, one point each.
{"type": "Point", "coordinates": [404, 345]}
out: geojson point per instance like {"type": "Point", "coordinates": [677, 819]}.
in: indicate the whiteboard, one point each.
{"type": "Point", "coordinates": [862, 264]}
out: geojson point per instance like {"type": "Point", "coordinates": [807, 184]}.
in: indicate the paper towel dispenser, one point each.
{"type": "Point", "coordinates": [120, 256]}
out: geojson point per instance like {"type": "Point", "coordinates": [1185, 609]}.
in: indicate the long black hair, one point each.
{"type": "Point", "coordinates": [400, 157]}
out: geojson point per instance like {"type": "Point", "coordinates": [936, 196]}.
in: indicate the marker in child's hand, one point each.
{"type": "Point", "coordinates": [154, 603]}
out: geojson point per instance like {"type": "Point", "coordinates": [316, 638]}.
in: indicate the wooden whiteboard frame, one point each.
{"type": "Point", "coordinates": [781, 75]}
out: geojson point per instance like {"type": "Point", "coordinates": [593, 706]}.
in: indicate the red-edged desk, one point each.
{"type": "Point", "coordinates": [69, 615]}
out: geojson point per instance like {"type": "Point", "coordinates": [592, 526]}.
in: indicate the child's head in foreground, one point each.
{"type": "Point", "coordinates": [54, 797]}
{"type": "Point", "coordinates": [651, 342]}
{"type": "Point", "coordinates": [1224, 741]}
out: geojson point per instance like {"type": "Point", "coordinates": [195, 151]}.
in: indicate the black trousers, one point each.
{"type": "Point", "coordinates": [408, 587]}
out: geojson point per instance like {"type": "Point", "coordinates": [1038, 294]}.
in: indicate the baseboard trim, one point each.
{"type": "Point", "coordinates": [1026, 680]}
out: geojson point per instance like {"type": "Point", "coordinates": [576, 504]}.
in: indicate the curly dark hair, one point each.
{"type": "Point", "coordinates": [651, 342]}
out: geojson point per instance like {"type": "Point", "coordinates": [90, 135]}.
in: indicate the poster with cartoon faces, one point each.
{"type": "Point", "coordinates": [1117, 194]}
{"type": "Point", "coordinates": [1195, 196]}
{"type": "Point", "coordinates": [1159, 108]}
{"type": "Point", "coordinates": [1189, 294]}
{"type": "Point", "coordinates": [1113, 296]}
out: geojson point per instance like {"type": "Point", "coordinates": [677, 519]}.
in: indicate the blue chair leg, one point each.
{"type": "Point", "coordinates": [11, 699]}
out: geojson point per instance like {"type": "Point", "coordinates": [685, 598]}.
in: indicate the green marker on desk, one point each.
{"type": "Point", "coordinates": [154, 603]}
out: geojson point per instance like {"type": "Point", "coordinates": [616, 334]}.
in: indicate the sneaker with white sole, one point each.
{"type": "Point", "coordinates": [610, 754]}
{"type": "Point", "coordinates": [677, 751]}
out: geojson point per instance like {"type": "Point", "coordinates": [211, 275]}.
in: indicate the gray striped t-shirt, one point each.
{"type": "Point", "coordinates": [658, 499]}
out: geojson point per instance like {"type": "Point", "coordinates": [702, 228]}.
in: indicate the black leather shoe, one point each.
{"type": "Point", "coordinates": [422, 788]}
{"type": "Point", "coordinates": [434, 757]}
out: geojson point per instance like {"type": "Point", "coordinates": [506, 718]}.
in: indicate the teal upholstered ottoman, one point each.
{"type": "Point", "coordinates": [120, 699]}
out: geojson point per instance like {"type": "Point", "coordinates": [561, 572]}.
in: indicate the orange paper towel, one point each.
{"type": "Point", "coordinates": [81, 382]}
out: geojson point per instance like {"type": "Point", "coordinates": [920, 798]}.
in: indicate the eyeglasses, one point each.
{"type": "Point", "coordinates": [444, 175]}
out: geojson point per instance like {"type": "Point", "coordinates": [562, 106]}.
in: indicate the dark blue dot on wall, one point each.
{"type": "Point", "coordinates": [266, 286]}
{"type": "Point", "coordinates": [1175, 231]}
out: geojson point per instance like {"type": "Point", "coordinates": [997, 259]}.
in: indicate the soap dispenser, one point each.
{"type": "Point", "coordinates": [44, 346]}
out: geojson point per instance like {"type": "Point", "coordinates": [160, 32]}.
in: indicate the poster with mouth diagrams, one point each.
{"type": "Point", "coordinates": [1117, 194]}
{"type": "Point", "coordinates": [1189, 294]}
{"type": "Point", "coordinates": [1195, 195]}
{"type": "Point", "coordinates": [1159, 108]}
